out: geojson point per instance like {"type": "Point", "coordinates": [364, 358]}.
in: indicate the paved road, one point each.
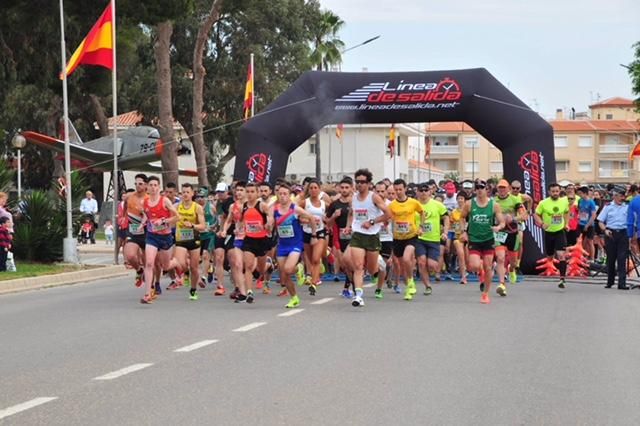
{"type": "Point", "coordinates": [539, 356]}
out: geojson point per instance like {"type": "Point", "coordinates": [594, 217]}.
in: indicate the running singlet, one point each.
{"type": "Point", "coordinates": [210, 219]}
{"type": "Point", "coordinates": [288, 228]}
{"type": "Point", "coordinates": [386, 233]}
{"type": "Point", "coordinates": [186, 214]}
{"type": "Point", "coordinates": [481, 220]}
{"type": "Point", "coordinates": [237, 226]}
{"type": "Point", "coordinates": [430, 228]}
{"type": "Point", "coordinates": [510, 205]}
{"type": "Point", "coordinates": [135, 207]}
{"type": "Point", "coordinates": [254, 221]}
{"type": "Point", "coordinates": [317, 213]}
{"type": "Point", "coordinates": [363, 211]}
{"type": "Point", "coordinates": [552, 213]}
{"type": "Point", "coordinates": [403, 214]}
{"type": "Point", "coordinates": [154, 213]}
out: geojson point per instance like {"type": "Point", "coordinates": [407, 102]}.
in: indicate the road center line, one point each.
{"type": "Point", "coordinates": [124, 371]}
{"type": "Point", "coordinates": [290, 313]}
{"type": "Point", "coordinates": [249, 327]}
{"type": "Point", "coordinates": [196, 346]}
{"type": "Point", "coordinates": [25, 406]}
{"type": "Point", "coordinates": [322, 301]}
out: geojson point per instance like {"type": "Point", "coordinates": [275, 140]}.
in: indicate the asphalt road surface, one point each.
{"type": "Point", "coordinates": [91, 354]}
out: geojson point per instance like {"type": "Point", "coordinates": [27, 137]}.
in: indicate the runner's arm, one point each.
{"type": "Point", "coordinates": [302, 213]}
{"type": "Point", "coordinates": [379, 202]}
{"type": "Point", "coordinates": [201, 225]}
{"type": "Point", "coordinates": [497, 211]}
{"type": "Point", "coordinates": [174, 213]}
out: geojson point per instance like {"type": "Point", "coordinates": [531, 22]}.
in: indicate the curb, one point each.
{"type": "Point", "coordinates": [63, 279]}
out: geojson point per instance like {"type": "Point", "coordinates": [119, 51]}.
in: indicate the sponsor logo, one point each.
{"type": "Point", "coordinates": [532, 165]}
{"type": "Point", "coordinates": [259, 166]}
{"type": "Point", "coordinates": [403, 95]}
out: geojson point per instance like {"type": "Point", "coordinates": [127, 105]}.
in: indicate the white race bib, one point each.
{"type": "Point", "coordinates": [403, 227]}
{"type": "Point", "coordinates": [285, 231]}
{"type": "Point", "coordinates": [426, 227]}
{"type": "Point", "coordinates": [136, 229]}
{"type": "Point", "coordinates": [254, 227]}
{"type": "Point", "coordinates": [185, 234]}
{"type": "Point", "coordinates": [500, 237]}
{"type": "Point", "coordinates": [361, 215]}
{"type": "Point", "coordinates": [557, 219]}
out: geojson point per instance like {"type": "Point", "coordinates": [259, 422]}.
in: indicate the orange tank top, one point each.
{"type": "Point", "coordinates": [254, 221]}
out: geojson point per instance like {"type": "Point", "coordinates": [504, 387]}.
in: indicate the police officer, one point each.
{"type": "Point", "coordinates": [613, 221]}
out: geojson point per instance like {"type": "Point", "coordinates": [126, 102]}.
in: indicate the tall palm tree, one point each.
{"type": "Point", "coordinates": [327, 51]}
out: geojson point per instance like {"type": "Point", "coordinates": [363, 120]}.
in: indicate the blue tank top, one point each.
{"type": "Point", "coordinates": [289, 230]}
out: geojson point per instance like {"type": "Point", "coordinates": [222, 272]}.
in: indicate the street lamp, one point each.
{"type": "Point", "coordinates": [19, 142]}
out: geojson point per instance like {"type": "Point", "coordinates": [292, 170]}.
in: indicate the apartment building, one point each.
{"type": "Point", "coordinates": [586, 150]}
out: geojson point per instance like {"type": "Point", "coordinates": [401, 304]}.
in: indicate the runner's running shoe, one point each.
{"type": "Point", "coordinates": [482, 286]}
{"type": "Point", "coordinates": [294, 302]}
{"type": "Point", "coordinates": [158, 289]}
{"type": "Point", "coordinates": [407, 294]}
{"type": "Point", "coordinates": [267, 288]}
{"type": "Point", "coordinates": [259, 284]}
{"type": "Point", "coordinates": [312, 290]}
{"type": "Point", "coordinates": [219, 290]}
{"type": "Point", "coordinates": [396, 289]}
{"type": "Point", "coordinates": [193, 294]}
{"type": "Point", "coordinates": [562, 283]}
{"type": "Point", "coordinates": [501, 290]}
{"type": "Point", "coordinates": [379, 294]}
{"type": "Point", "coordinates": [357, 301]}
{"type": "Point", "coordinates": [513, 277]}
{"type": "Point", "coordinates": [139, 277]}
{"type": "Point", "coordinates": [428, 290]}
{"type": "Point", "coordinates": [411, 286]}
{"type": "Point", "coordinates": [300, 274]}
{"type": "Point", "coordinates": [210, 274]}
{"type": "Point", "coordinates": [234, 294]}
{"type": "Point", "coordinates": [202, 283]}
{"type": "Point", "coordinates": [484, 298]}
{"type": "Point", "coordinates": [250, 296]}
{"type": "Point", "coordinates": [146, 300]}
{"type": "Point", "coordinates": [283, 292]}
{"type": "Point", "coordinates": [174, 285]}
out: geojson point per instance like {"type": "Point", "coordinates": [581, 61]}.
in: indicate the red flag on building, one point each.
{"type": "Point", "coordinates": [635, 152]}
{"type": "Point", "coordinates": [391, 145]}
{"type": "Point", "coordinates": [427, 148]}
{"type": "Point", "coordinates": [97, 46]}
{"type": "Point", "coordinates": [339, 131]}
{"type": "Point", "coordinates": [248, 93]}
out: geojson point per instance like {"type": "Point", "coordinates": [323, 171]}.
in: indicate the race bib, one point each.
{"type": "Point", "coordinates": [403, 227]}
{"type": "Point", "coordinates": [159, 228]}
{"type": "Point", "coordinates": [345, 234]}
{"type": "Point", "coordinates": [557, 219]}
{"type": "Point", "coordinates": [254, 227]}
{"type": "Point", "coordinates": [500, 237]}
{"type": "Point", "coordinates": [361, 215]}
{"type": "Point", "coordinates": [136, 229]}
{"type": "Point", "coordinates": [185, 234]}
{"type": "Point", "coordinates": [285, 231]}
{"type": "Point", "coordinates": [426, 227]}
{"type": "Point", "coordinates": [456, 226]}
{"type": "Point", "coordinates": [584, 216]}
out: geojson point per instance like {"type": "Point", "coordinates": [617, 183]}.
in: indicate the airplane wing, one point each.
{"type": "Point", "coordinates": [156, 168]}
{"type": "Point", "coordinates": [79, 152]}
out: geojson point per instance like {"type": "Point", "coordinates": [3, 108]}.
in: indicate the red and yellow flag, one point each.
{"type": "Point", "coordinates": [635, 152]}
{"type": "Point", "coordinates": [391, 145]}
{"type": "Point", "coordinates": [97, 46]}
{"type": "Point", "coordinates": [248, 94]}
{"type": "Point", "coordinates": [339, 131]}
{"type": "Point", "coordinates": [427, 148]}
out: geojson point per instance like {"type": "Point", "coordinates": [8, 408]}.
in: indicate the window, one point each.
{"type": "Point", "coordinates": [496, 167]}
{"type": "Point", "coordinates": [445, 140]}
{"type": "Point", "coordinates": [471, 167]}
{"type": "Point", "coordinates": [612, 139]}
{"type": "Point", "coordinates": [562, 166]}
{"type": "Point", "coordinates": [312, 147]}
{"type": "Point", "coordinates": [585, 167]}
{"type": "Point", "coordinates": [560, 142]}
{"type": "Point", "coordinates": [470, 142]}
{"type": "Point", "coordinates": [609, 116]}
{"type": "Point", "coordinates": [585, 141]}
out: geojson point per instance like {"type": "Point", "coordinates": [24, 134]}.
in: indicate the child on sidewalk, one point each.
{"type": "Point", "coordinates": [108, 231]}
{"type": "Point", "coordinates": [5, 243]}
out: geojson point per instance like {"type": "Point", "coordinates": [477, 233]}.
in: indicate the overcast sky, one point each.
{"type": "Point", "coordinates": [556, 53]}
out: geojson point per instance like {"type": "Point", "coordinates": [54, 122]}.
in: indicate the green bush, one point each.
{"type": "Point", "coordinates": [40, 229]}
{"type": "Point", "coordinates": [6, 176]}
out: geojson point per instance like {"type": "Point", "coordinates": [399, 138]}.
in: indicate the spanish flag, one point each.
{"type": "Point", "coordinates": [97, 47]}
{"type": "Point", "coordinates": [391, 145]}
{"type": "Point", "coordinates": [339, 131]}
{"type": "Point", "coordinates": [635, 152]}
{"type": "Point", "coordinates": [248, 93]}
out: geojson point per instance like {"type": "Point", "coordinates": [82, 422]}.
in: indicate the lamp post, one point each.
{"type": "Point", "coordinates": [19, 142]}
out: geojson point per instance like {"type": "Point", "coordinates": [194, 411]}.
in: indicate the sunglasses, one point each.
{"type": "Point", "coordinates": [361, 181]}
{"type": "Point", "coordinates": [481, 186]}
{"type": "Point", "coordinates": [423, 189]}
{"type": "Point", "coordinates": [515, 188]}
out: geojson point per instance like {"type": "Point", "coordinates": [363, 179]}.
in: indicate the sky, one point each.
{"type": "Point", "coordinates": [550, 53]}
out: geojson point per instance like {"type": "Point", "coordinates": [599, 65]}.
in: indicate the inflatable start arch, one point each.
{"type": "Point", "coordinates": [474, 96]}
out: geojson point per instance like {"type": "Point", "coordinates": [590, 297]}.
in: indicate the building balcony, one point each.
{"type": "Point", "coordinates": [613, 173]}
{"type": "Point", "coordinates": [445, 149]}
{"type": "Point", "coordinates": [615, 149]}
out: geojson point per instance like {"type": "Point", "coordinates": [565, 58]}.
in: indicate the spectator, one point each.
{"type": "Point", "coordinates": [5, 242]}
{"type": "Point", "coordinates": [89, 207]}
{"type": "Point", "coordinates": [108, 231]}
{"type": "Point", "coordinates": [4, 212]}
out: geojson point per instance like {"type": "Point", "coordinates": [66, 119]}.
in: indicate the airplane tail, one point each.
{"type": "Point", "coordinates": [74, 137]}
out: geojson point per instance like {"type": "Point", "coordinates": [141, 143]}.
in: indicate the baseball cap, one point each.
{"type": "Point", "coordinates": [202, 192]}
{"type": "Point", "coordinates": [450, 187]}
{"type": "Point", "coordinates": [222, 187]}
{"type": "Point", "coordinates": [467, 184]}
{"type": "Point", "coordinates": [480, 183]}
{"type": "Point", "coordinates": [503, 182]}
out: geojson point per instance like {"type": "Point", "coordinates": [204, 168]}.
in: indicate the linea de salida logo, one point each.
{"type": "Point", "coordinates": [447, 90]}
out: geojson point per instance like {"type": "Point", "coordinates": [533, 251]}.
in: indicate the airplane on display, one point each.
{"type": "Point", "coordinates": [137, 148]}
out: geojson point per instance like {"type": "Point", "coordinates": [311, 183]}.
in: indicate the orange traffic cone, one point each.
{"type": "Point", "coordinates": [547, 266]}
{"type": "Point", "coordinates": [577, 266]}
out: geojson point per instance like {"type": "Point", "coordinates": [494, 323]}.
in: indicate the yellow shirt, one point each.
{"type": "Point", "coordinates": [403, 217]}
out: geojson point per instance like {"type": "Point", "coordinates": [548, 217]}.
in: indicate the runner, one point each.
{"type": "Point", "coordinates": [457, 226]}
{"type": "Point", "coordinates": [527, 202]}
{"type": "Point", "coordinates": [234, 227]}
{"type": "Point", "coordinates": [428, 249]}
{"type": "Point", "coordinates": [224, 201]}
{"type": "Point", "coordinates": [208, 236]}
{"type": "Point", "coordinates": [368, 211]}
{"type": "Point", "coordinates": [122, 222]}
{"type": "Point", "coordinates": [187, 252]}
{"type": "Point", "coordinates": [135, 245]}
{"type": "Point", "coordinates": [337, 219]}
{"type": "Point", "coordinates": [290, 244]}
{"type": "Point", "coordinates": [264, 282]}
{"type": "Point", "coordinates": [514, 213]}
{"type": "Point", "coordinates": [315, 252]}
{"type": "Point", "coordinates": [552, 215]}
{"type": "Point", "coordinates": [481, 213]}
{"type": "Point", "coordinates": [159, 216]}
{"type": "Point", "coordinates": [587, 209]}
{"type": "Point", "coordinates": [386, 244]}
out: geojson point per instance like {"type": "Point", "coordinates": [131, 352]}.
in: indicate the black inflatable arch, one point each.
{"type": "Point", "coordinates": [474, 96]}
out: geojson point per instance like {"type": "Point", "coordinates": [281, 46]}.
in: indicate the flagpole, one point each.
{"type": "Point", "coordinates": [253, 95]}
{"type": "Point", "coordinates": [114, 96]}
{"type": "Point", "coordinates": [70, 251]}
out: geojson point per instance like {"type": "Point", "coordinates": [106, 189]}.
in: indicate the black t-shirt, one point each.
{"type": "Point", "coordinates": [344, 208]}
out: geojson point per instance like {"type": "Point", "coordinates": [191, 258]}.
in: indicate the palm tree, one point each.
{"type": "Point", "coordinates": [327, 51]}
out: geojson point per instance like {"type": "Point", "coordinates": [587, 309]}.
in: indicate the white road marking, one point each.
{"type": "Point", "coordinates": [290, 313]}
{"type": "Point", "coordinates": [249, 327]}
{"type": "Point", "coordinates": [124, 371]}
{"type": "Point", "coordinates": [196, 345]}
{"type": "Point", "coordinates": [322, 301]}
{"type": "Point", "coordinates": [368, 285]}
{"type": "Point", "coordinates": [25, 406]}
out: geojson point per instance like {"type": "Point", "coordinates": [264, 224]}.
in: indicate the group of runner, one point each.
{"type": "Point", "coordinates": [389, 230]}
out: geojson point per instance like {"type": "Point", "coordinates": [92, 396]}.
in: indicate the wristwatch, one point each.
{"type": "Point", "coordinates": [372, 222]}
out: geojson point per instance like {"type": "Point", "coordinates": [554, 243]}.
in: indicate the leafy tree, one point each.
{"type": "Point", "coordinates": [634, 73]}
